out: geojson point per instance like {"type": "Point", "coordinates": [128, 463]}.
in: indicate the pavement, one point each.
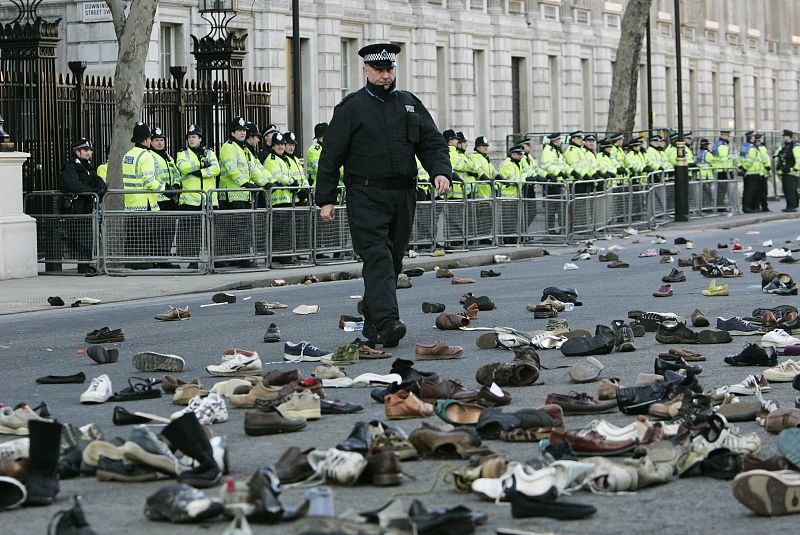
{"type": "Point", "coordinates": [44, 342]}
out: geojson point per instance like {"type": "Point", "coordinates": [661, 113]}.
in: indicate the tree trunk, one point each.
{"type": "Point", "coordinates": [625, 78]}
{"type": "Point", "coordinates": [133, 37]}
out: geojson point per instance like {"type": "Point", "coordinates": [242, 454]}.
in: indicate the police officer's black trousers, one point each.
{"type": "Point", "coordinates": [763, 193]}
{"type": "Point", "coordinates": [380, 225]}
{"type": "Point", "coordinates": [789, 183]}
{"type": "Point", "coordinates": [750, 201]}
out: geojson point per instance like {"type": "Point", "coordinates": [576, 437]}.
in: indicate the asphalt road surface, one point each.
{"type": "Point", "coordinates": [36, 344]}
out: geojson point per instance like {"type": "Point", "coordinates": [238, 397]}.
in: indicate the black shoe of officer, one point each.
{"type": "Point", "coordinates": [391, 333]}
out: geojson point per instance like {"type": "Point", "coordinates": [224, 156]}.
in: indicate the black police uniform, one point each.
{"type": "Point", "coordinates": [80, 176]}
{"type": "Point", "coordinates": [375, 133]}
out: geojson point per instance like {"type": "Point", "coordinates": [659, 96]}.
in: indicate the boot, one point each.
{"type": "Point", "coordinates": [187, 435]}
{"type": "Point", "coordinates": [42, 478]}
{"type": "Point", "coordinates": [70, 522]}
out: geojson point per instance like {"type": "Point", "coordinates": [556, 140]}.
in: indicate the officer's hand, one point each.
{"type": "Point", "coordinates": [441, 183]}
{"type": "Point", "coordinates": [326, 213]}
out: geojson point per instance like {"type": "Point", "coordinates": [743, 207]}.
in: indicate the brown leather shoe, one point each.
{"type": "Point", "coordinates": [544, 310]}
{"type": "Point", "coordinates": [461, 280]}
{"type": "Point", "coordinates": [575, 403]}
{"type": "Point", "coordinates": [591, 443]}
{"type": "Point", "coordinates": [664, 291]}
{"type": "Point", "coordinates": [402, 405]}
{"type": "Point", "coordinates": [385, 468]}
{"type": "Point", "coordinates": [437, 351]}
{"type": "Point", "coordinates": [782, 419]}
{"type": "Point", "coordinates": [280, 378]}
{"type": "Point", "coordinates": [676, 353]}
{"type": "Point", "coordinates": [699, 319]}
{"type": "Point", "coordinates": [292, 466]}
{"type": "Point", "coordinates": [258, 423]}
{"type": "Point", "coordinates": [773, 463]}
{"type": "Point", "coordinates": [444, 273]}
{"type": "Point", "coordinates": [451, 322]}
{"type": "Point", "coordinates": [488, 398]}
{"type": "Point", "coordinates": [517, 373]}
{"type": "Point", "coordinates": [455, 444]}
{"type": "Point", "coordinates": [430, 391]}
{"type": "Point", "coordinates": [789, 316]}
{"type": "Point", "coordinates": [555, 412]}
{"type": "Point", "coordinates": [698, 262]}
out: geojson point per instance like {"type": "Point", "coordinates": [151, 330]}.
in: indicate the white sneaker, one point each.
{"type": "Point", "coordinates": [784, 372]}
{"type": "Point", "coordinates": [569, 266]}
{"type": "Point", "coordinates": [209, 410]}
{"type": "Point", "coordinates": [337, 466]}
{"type": "Point", "coordinates": [767, 243]}
{"type": "Point", "coordinates": [99, 390]}
{"type": "Point", "coordinates": [748, 387]}
{"type": "Point", "coordinates": [563, 475]}
{"type": "Point", "coordinates": [615, 248]}
{"type": "Point", "coordinates": [237, 362]}
{"type": "Point", "coordinates": [15, 449]}
{"type": "Point", "coordinates": [778, 338]}
{"type": "Point", "coordinates": [778, 253]}
{"type": "Point", "coordinates": [659, 239]}
{"type": "Point", "coordinates": [610, 431]}
{"type": "Point", "coordinates": [689, 245]}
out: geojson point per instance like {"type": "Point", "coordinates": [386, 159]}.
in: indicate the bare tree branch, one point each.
{"type": "Point", "coordinates": [625, 78]}
{"type": "Point", "coordinates": [117, 8]}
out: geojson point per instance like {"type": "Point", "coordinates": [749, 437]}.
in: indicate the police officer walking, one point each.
{"type": "Point", "coordinates": [375, 133]}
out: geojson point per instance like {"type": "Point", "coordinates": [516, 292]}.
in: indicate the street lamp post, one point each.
{"type": "Point", "coordinates": [681, 167]}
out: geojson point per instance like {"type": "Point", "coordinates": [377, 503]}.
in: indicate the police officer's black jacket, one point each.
{"type": "Point", "coordinates": [375, 134]}
{"type": "Point", "coordinates": [80, 176]}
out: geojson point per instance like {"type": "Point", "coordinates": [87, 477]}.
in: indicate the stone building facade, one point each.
{"type": "Point", "coordinates": [490, 67]}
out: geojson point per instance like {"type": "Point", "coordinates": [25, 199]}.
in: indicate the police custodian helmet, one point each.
{"type": "Point", "coordinates": [140, 132]}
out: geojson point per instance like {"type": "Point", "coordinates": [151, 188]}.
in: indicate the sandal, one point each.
{"type": "Point", "coordinates": [366, 352]}
{"type": "Point", "coordinates": [138, 388]}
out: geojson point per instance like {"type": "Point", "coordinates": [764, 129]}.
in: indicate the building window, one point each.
{"type": "Point", "coordinates": [582, 16]}
{"type": "Point", "coordinates": [477, 5]}
{"type": "Point", "coordinates": [167, 45]}
{"type": "Point", "coordinates": [550, 12]}
{"type": "Point", "coordinates": [711, 36]}
{"type": "Point", "coordinates": [612, 20]}
{"type": "Point", "coordinates": [772, 47]}
{"type": "Point", "coordinates": [732, 38]}
{"type": "Point", "coordinates": [688, 33]}
{"type": "Point", "coordinates": [348, 74]}
{"type": "Point", "coordinates": [516, 6]}
{"type": "Point", "coordinates": [665, 28]}
{"type": "Point", "coordinates": [752, 42]}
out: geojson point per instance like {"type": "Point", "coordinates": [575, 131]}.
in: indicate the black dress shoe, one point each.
{"type": "Point", "coordinates": [55, 301]}
{"type": "Point", "coordinates": [674, 276]}
{"type": "Point", "coordinates": [223, 297]}
{"type": "Point", "coordinates": [391, 333]}
{"type": "Point", "coordinates": [414, 272]}
{"type": "Point", "coordinates": [121, 416]}
{"type": "Point", "coordinates": [660, 366]}
{"type": "Point", "coordinates": [79, 377]}
{"type": "Point", "coordinates": [601, 343]}
{"type": "Point", "coordinates": [523, 506]}
{"type": "Point", "coordinates": [754, 355]}
{"type": "Point", "coordinates": [262, 310]}
{"type": "Point", "coordinates": [405, 369]}
{"type": "Point", "coordinates": [489, 273]}
{"type": "Point", "coordinates": [432, 308]}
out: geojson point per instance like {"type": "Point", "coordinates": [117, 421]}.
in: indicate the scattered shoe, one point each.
{"type": "Point", "coordinates": [174, 314]}
{"type": "Point", "coordinates": [674, 276]}
{"type": "Point", "coordinates": [149, 361]}
{"type": "Point", "coordinates": [736, 326]}
{"type": "Point", "coordinates": [664, 291]}
{"type": "Point", "coordinates": [754, 355]}
{"type": "Point", "coordinates": [715, 290]}
{"type": "Point", "coordinates": [223, 297]}
{"type": "Point", "coordinates": [273, 334]}
{"type": "Point", "coordinates": [55, 301]}
{"type": "Point", "coordinates": [304, 352]}
{"type": "Point", "coordinates": [101, 355]}
{"type": "Point", "coordinates": [699, 319]}
{"type": "Point", "coordinates": [489, 273]}
{"type": "Point", "coordinates": [431, 308]}
{"type": "Point", "coordinates": [306, 309]}
{"type": "Point", "coordinates": [437, 351]}
{"type": "Point", "coordinates": [99, 390]}
{"type": "Point", "coordinates": [236, 363]}
{"type": "Point", "coordinates": [105, 335]}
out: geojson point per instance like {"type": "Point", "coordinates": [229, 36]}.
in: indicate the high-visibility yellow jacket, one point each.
{"type": "Point", "coordinates": [510, 171]}
{"type": "Point", "coordinates": [720, 155]}
{"type": "Point", "coordinates": [486, 169]}
{"type": "Point", "coordinates": [312, 162]}
{"type": "Point", "coordinates": [166, 172]}
{"type": "Point", "coordinates": [296, 173]}
{"type": "Point", "coordinates": [279, 174]}
{"type": "Point", "coordinates": [190, 165]}
{"type": "Point", "coordinates": [466, 172]}
{"type": "Point", "coordinates": [636, 162]}
{"type": "Point", "coordinates": [606, 164]}
{"type": "Point", "coordinates": [102, 170]}
{"type": "Point", "coordinates": [554, 164]}
{"type": "Point", "coordinates": [235, 170]}
{"type": "Point", "coordinates": [578, 160]}
{"type": "Point", "coordinates": [423, 177]}
{"type": "Point", "coordinates": [139, 173]}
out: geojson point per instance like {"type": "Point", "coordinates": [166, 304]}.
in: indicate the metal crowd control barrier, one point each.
{"type": "Point", "coordinates": [152, 241]}
{"type": "Point", "coordinates": [424, 229]}
{"type": "Point", "coordinates": [508, 224]}
{"type": "Point", "coordinates": [582, 209]}
{"type": "Point", "coordinates": [238, 237]}
{"type": "Point", "coordinates": [544, 208]}
{"type": "Point", "coordinates": [291, 241]}
{"type": "Point", "coordinates": [67, 228]}
{"type": "Point", "coordinates": [332, 243]}
{"type": "Point", "coordinates": [480, 218]}
{"type": "Point", "coordinates": [450, 219]}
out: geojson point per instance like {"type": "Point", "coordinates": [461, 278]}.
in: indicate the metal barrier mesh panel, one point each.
{"type": "Point", "coordinates": [65, 238]}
